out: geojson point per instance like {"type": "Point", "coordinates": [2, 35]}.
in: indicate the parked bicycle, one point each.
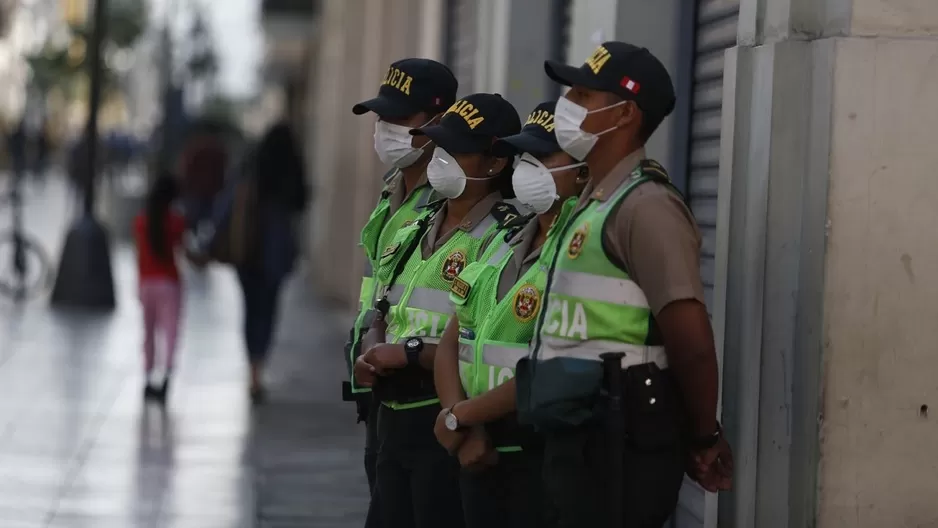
{"type": "Point", "coordinates": [25, 269]}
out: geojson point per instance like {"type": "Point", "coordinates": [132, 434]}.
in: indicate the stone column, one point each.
{"type": "Point", "coordinates": [827, 190]}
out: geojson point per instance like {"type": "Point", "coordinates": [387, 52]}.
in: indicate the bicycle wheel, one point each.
{"type": "Point", "coordinates": [24, 267]}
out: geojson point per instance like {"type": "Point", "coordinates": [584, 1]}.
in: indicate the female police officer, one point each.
{"type": "Point", "coordinates": [417, 479]}
{"type": "Point", "coordinates": [496, 301]}
{"type": "Point", "coordinates": [413, 93]}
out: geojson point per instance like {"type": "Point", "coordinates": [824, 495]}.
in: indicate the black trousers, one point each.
{"type": "Point", "coordinates": [417, 480]}
{"type": "Point", "coordinates": [371, 461]}
{"type": "Point", "coordinates": [507, 495]}
{"type": "Point", "coordinates": [576, 472]}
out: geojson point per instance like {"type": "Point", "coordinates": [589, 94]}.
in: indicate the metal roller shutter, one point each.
{"type": "Point", "coordinates": [716, 26]}
{"type": "Point", "coordinates": [462, 41]}
{"type": "Point", "coordinates": [717, 22]}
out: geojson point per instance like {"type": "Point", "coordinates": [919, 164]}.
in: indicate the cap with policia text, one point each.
{"type": "Point", "coordinates": [536, 138]}
{"type": "Point", "coordinates": [412, 86]}
{"type": "Point", "coordinates": [473, 124]}
{"type": "Point", "coordinates": [631, 72]}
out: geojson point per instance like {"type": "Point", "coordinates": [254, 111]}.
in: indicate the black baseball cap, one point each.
{"type": "Point", "coordinates": [412, 86]}
{"type": "Point", "coordinates": [537, 137]}
{"type": "Point", "coordinates": [626, 70]}
{"type": "Point", "coordinates": [473, 124]}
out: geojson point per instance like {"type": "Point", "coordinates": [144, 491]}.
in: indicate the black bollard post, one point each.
{"type": "Point", "coordinates": [85, 279]}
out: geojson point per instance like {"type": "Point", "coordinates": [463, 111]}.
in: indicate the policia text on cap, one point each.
{"type": "Point", "coordinates": [624, 286]}
{"type": "Point", "coordinates": [414, 92]}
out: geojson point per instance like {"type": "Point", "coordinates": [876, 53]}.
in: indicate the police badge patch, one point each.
{"type": "Point", "coordinates": [578, 240]}
{"type": "Point", "coordinates": [526, 302]}
{"type": "Point", "coordinates": [453, 265]}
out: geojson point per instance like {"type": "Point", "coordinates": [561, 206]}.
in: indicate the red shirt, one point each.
{"type": "Point", "coordinates": [148, 264]}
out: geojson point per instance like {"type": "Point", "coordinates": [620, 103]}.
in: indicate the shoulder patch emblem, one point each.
{"type": "Point", "coordinates": [526, 302]}
{"type": "Point", "coordinates": [453, 265]}
{"type": "Point", "coordinates": [578, 240]}
{"type": "Point", "coordinates": [460, 288]}
{"type": "Point", "coordinates": [390, 250]}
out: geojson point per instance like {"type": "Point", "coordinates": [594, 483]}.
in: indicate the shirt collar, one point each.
{"type": "Point", "coordinates": [479, 211]}
{"type": "Point", "coordinates": [395, 188]}
{"type": "Point", "coordinates": [616, 177]}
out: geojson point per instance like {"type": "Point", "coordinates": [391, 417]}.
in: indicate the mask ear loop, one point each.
{"type": "Point", "coordinates": [603, 109]}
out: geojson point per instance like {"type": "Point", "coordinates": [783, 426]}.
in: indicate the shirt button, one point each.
{"type": "Point", "coordinates": [652, 401]}
{"type": "Point", "coordinates": [648, 382]}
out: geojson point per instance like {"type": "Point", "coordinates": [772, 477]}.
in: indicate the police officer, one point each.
{"type": "Point", "coordinates": [497, 300]}
{"type": "Point", "coordinates": [417, 479]}
{"type": "Point", "coordinates": [414, 92]}
{"type": "Point", "coordinates": [624, 279]}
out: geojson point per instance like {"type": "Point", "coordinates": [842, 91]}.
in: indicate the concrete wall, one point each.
{"type": "Point", "coordinates": [878, 465]}
{"type": "Point", "coordinates": [823, 298]}
{"type": "Point", "coordinates": [357, 40]}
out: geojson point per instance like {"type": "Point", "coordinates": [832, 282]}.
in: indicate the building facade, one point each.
{"type": "Point", "coordinates": [802, 139]}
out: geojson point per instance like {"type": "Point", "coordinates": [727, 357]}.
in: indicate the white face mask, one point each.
{"type": "Point", "coordinates": [534, 184]}
{"type": "Point", "coordinates": [568, 118]}
{"type": "Point", "coordinates": [393, 145]}
{"type": "Point", "coordinates": [446, 176]}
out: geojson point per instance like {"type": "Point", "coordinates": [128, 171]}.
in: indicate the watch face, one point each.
{"type": "Point", "coordinates": [413, 343]}
{"type": "Point", "coordinates": [451, 422]}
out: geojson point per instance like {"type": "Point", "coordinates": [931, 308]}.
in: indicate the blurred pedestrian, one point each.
{"type": "Point", "coordinates": [158, 232]}
{"type": "Point", "coordinates": [278, 181]}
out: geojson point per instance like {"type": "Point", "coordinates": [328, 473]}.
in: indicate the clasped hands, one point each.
{"type": "Point", "coordinates": [472, 445]}
{"type": "Point", "coordinates": [380, 360]}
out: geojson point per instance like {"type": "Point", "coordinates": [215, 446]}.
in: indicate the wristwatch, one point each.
{"type": "Point", "coordinates": [706, 442]}
{"type": "Point", "coordinates": [450, 420]}
{"type": "Point", "coordinates": [413, 347]}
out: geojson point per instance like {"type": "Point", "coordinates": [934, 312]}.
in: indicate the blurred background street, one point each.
{"type": "Point", "coordinates": [78, 448]}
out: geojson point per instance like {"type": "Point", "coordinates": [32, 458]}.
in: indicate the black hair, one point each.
{"type": "Point", "coordinates": [159, 200]}
{"type": "Point", "coordinates": [502, 181]}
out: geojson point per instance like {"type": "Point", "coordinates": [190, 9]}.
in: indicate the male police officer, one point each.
{"type": "Point", "coordinates": [414, 93]}
{"type": "Point", "coordinates": [624, 279]}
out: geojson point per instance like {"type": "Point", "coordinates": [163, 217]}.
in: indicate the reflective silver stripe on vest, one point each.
{"type": "Point", "coordinates": [634, 354]}
{"type": "Point", "coordinates": [502, 251]}
{"type": "Point", "coordinates": [482, 227]}
{"type": "Point", "coordinates": [395, 293]}
{"type": "Point", "coordinates": [430, 300]}
{"type": "Point", "coordinates": [503, 356]}
{"type": "Point", "coordinates": [466, 353]}
{"type": "Point", "coordinates": [599, 288]}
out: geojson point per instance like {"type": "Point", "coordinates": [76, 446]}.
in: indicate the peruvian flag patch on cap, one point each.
{"type": "Point", "coordinates": [630, 85]}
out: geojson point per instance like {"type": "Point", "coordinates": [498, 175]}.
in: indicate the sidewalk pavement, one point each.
{"type": "Point", "coordinates": [78, 447]}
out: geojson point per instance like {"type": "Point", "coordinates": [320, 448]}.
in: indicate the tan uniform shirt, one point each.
{"type": "Point", "coordinates": [522, 259]}
{"type": "Point", "coordinates": [435, 240]}
{"type": "Point", "coordinates": [398, 196]}
{"type": "Point", "coordinates": [653, 234]}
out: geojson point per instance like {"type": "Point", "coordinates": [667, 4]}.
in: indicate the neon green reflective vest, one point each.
{"type": "Point", "coordinates": [593, 306]}
{"type": "Point", "coordinates": [377, 233]}
{"type": "Point", "coordinates": [495, 333]}
{"type": "Point", "coordinates": [419, 297]}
